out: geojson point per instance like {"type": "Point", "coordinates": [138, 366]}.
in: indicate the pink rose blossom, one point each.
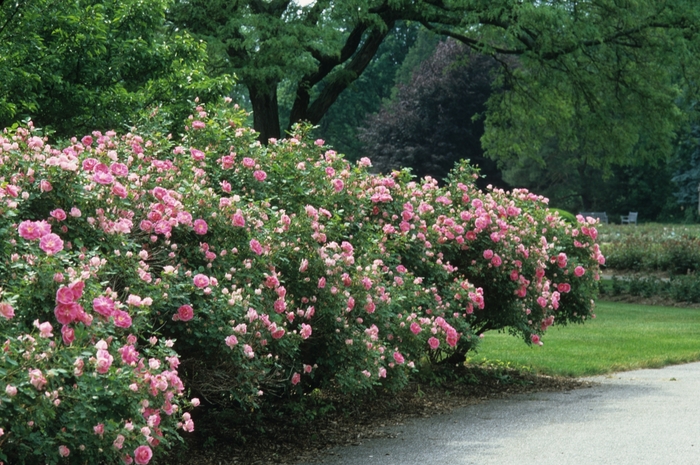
{"type": "Point", "coordinates": [6, 310]}
{"type": "Point", "coordinates": [129, 354]}
{"type": "Point", "coordinates": [44, 328]}
{"type": "Point", "coordinates": [488, 254]}
{"type": "Point", "coordinates": [231, 341]}
{"type": "Point", "coordinates": [142, 455]}
{"type": "Point", "coordinates": [118, 442]}
{"type": "Point", "coordinates": [29, 230]}
{"type": "Point", "coordinates": [579, 271]}
{"type": "Point", "coordinates": [99, 429]}
{"type": "Point", "coordinates": [256, 247]}
{"type": "Point", "coordinates": [67, 334]}
{"type": "Point", "coordinates": [296, 377]}
{"type": "Point", "coordinates": [59, 214]}
{"type": "Point", "coordinates": [121, 319]}
{"type": "Point", "coordinates": [398, 358]}
{"type": "Point", "coordinates": [238, 219]}
{"type": "Point", "coordinates": [197, 155]}
{"type": "Point", "coordinates": [10, 390]}
{"type": "Point", "coordinates": [103, 305]}
{"type": "Point", "coordinates": [260, 175]}
{"type": "Point", "coordinates": [415, 328]}
{"type": "Point", "coordinates": [51, 244]}
{"type": "Point", "coordinates": [63, 451]}
{"type": "Point", "coordinates": [248, 162]}
{"type": "Point", "coordinates": [37, 379]}
{"type": "Point", "coordinates": [536, 340]}
{"type": "Point", "coordinates": [200, 227]}
{"type": "Point", "coordinates": [186, 312]}
{"type": "Point", "coordinates": [434, 343]}
{"type": "Point", "coordinates": [67, 313]}
{"type": "Point", "coordinates": [278, 333]}
{"type": "Point", "coordinates": [201, 281]}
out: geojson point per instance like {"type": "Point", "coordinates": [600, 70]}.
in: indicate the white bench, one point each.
{"type": "Point", "coordinates": [629, 219]}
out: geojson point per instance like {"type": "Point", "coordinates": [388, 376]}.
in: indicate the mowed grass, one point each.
{"type": "Point", "coordinates": [621, 337]}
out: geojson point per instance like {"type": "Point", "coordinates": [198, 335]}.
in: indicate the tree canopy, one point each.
{"type": "Point", "coordinates": [84, 65]}
{"type": "Point", "coordinates": [601, 77]}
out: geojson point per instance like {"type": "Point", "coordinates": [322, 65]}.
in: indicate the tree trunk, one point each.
{"type": "Point", "coordinates": [266, 118]}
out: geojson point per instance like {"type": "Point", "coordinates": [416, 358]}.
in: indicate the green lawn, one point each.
{"type": "Point", "coordinates": [622, 337]}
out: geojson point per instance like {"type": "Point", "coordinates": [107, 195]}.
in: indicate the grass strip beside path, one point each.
{"type": "Point", "coordinates": [621, 337]}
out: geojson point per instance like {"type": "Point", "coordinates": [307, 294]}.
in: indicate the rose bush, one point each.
{"type": "Point", "coordinates": [135, 266]}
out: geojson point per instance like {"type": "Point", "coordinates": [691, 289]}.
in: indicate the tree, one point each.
{"type": "Point", "coordinates": [431, 123]}
{"type": "Point", "coordinates": [595, 75]}
{"type": "Point", "coordinates": [397, 56]}
{"type": "Point", "coordinates": [83, 65]}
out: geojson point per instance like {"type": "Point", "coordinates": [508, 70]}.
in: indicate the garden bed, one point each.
{"type": "Point", "coordinates": [353, 421]}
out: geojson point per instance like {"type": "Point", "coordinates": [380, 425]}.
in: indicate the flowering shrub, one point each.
{"type": "Point", "coordinates": [133, 266]}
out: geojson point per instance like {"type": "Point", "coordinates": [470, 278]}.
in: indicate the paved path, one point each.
{"type": "Point", "coordinates": [637, 417]}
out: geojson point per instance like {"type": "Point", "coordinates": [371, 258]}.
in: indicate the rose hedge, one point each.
{"type": "Point", "coordinates": [135, 268]}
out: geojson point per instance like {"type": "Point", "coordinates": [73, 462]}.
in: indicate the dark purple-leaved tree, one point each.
{"type": "Point", "coordinates": [433, 120]}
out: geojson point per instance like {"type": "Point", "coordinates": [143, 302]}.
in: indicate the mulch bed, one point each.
{"type": "Point", "coordinates": [284, 441]}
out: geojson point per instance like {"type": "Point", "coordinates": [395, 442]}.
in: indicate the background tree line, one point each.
{"type": "Point", "coordinates": [590, 102]}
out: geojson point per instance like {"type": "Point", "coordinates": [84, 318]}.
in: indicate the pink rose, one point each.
{"type": "Point", "coordinates": [296, 377]}
{"type": "Point", "coordinates": [197, 154]}
{"type": "Point", "coordinates": [142, 455]}
{"type": "Point", "coordinates": [119, 169]}
{"type": "Point", "coordinates": [59, 214]}
{"type": "Point", "coordinates": [260, 175]}
{"type": "Point", "coordinates": [579, 271]}
{"type": "Point", "coordinates": [231, 341]}
{"type": "Point", "coordinates": [248, 162]}
{"type": "Point", "coordinates": [256, 247]}
{"type": "Point", "coordinates": [103, 305]}
{"type": "Point", "coordinates": [398, 358]}
{"type": "Point", "coordinates": [10, 390]}
{"type": "Point", "coordinates": [305, 331]}
{"type": "Point", "coordinates": [66, 313]}
{"type": "Point", "coordinates": [63, 451]}
{"type": "Point", "coordinates": [51, 244]}
{"type": "Point", "coordinates": [415, 328]}
{"type": "Point", "coordinates": [201, 281]}
{"type": "Point", "coordinates": [102, 177]}
{"type": "Point", "coordinates": [68, 334]}
{"type": "Point", "coordinates": [29, 230]}
{"type": "Point", "coordinates": [434, 343]}
{"type": "Point", "coordinates": [200, 227]}
{"type": "Point", "coordinates": [488, 254]}
{"type": "Point", "coordinates": [238, 219]}
{"type": "Point", "coordinates": [121, 319]}
{"type": "Point", "coordinates": [186, 312]}
{"type": "Point", "coordinates": [6, 310]}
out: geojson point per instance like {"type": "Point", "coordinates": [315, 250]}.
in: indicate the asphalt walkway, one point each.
{"type": "Point", "coordinates": [637, 417]}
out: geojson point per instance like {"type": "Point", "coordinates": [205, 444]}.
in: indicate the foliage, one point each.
{"type": "Point", "coordinates": [433, 121]}
{"type": "Point", "coordinates": [571, 184]}
{"type": "Point", "coordinates": [687, 168]}
{"type": "Point", "coordinates": [679, 288]}
{"type": "Point", "coordinates": [82, 65]}
{"type": "Point", "coordinates": [678, 254]}
{"type": "Point", "coordinates": [242, 273]}
{"type": "Point", "coordinates": [600, 79]}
